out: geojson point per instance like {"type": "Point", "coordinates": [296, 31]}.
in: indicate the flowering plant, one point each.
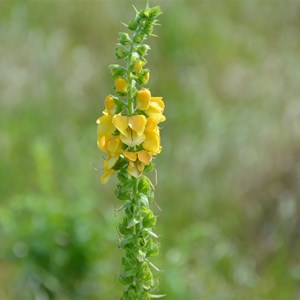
{"type": "Point", "coordinates": [128, 132]}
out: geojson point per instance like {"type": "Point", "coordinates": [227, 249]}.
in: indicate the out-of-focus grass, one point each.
{"type": "Point", "coordinates": [228, 175]}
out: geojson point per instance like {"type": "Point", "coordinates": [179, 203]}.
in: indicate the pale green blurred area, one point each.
{"type": "Point", "coordinates": [228, 176]}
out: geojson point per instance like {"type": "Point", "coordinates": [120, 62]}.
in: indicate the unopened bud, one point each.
{"type": "Point", "coordinates": [124, 38]}
{"type": "Point", "coordinates": [121, 85]}
{"type": "Point", "coordinates": [137, 66]}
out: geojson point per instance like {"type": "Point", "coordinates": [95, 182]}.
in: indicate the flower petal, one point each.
{"type": "Point", "coordinates": [152, 125]}
{"type": "Point", "coordinates": [152, 143]}
{"type": "Point", "coordinates": [102, 142]}
{"type": "Point", "coordinates": [111, 161]}
{"type": "Point", "coordinates": [156, 108]}
{"type": "Point", "coordinates": [132, 156]}
{"type": "Point", "coordinates": [132, 170]}
{"type": "Point", "coordinates": [107, 170]}
{"type": "Point", "coordinates": [143, 98]}
{"type": "Point", "coordinates": [114, 146]}
{"type": "Point", "coordinates": [137, 123]}
{"type": "Point", "coordinates": [144, 156]}
{"type": "Point", "coordinates": [121, 85]}
{"type": "Point", "coordinates": [110, 104]}
{"type": "Point", "coordinates": [121, 123]}
{"type": "Point", "coordinates": [132, 139]}
{"type": "Point", "coordinates": [106, 175]}
{"type": "Point", "coordinates": [105, 125]}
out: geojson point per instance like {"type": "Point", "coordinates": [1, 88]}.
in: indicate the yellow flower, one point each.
{"type": "Point", "coordinates": [143, 98]}
{"type": "Point", "coordinates": [110, 105]}
{"type": "Point", "coordinates": [131, 128]}
{"type": "Point", "coordinates": [105, 125]}
{"type": "Point", "coordinates": [152, 141]}
{"type": "Point", "coordinates": [137, 161]}
{"type": "Point", "coordinates": [110, 144]}
{"type": "Point", "coordinates": [156, 108]}
{"type": "Point", "coordinates": [108, 171]}
{"type": "Point", "coordinates": [143, 156]}
{"type": "Point", "coordinates": [121, 85]}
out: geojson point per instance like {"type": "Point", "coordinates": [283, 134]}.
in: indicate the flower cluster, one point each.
{"type": "Point", "coordinates": [129, 134]}
{"type": "Point", "coordinates": [128, 130]}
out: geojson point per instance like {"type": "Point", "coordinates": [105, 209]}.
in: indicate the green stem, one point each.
{"type": "Point", "coordinates": [131, 81]}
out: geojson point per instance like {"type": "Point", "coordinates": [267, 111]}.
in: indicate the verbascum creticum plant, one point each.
{"type": "Point", "coordinates": [128, 132]}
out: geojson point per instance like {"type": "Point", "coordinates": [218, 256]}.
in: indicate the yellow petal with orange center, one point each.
{"type": "Point", "coordinates": [143, 98]}
{"type": "Point", "coordinates": [137, 123]}
{"type": "Point", "coordinates": [144, 156]}
{"type": "Point", "coordinates": [130, 155]}
{"type": "Point", "coordinates": [121, 123]}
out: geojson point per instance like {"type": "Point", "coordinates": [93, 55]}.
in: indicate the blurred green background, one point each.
{"type": "Point", "coordinates": [228, 176]}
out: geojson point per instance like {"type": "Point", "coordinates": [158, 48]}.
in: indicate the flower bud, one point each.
{"type": "Point", "coordinates": [121, 85]}
{"type": "Point", "coordinates": [154, 11]}
{"type": "Point", "coordinates": [117, 70]}
{"type": "Point", "coordinates": [148, 29]}
{"type": "Point", "coordinates": [139, 38]}
{"type": "Point", "coordinates": [137, 66]}
{"type": "Point", "coordinates": [132, 25]}
{"type": "Point", "coordinates": [110, 104]}
{"type": "Point", "coordinates": [121, 52]}
{"type": "Point", "coordinates": [144, 77]}
{"type": "Point", "coordinates": [142, 49]}
{"type": "Point", "coordinates": [143, 98]}
{"type": "Point", "coordinates": [124, 38]}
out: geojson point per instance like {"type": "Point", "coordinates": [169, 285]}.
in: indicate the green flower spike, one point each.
{"type": "Point", "coordinates": [129, 134]}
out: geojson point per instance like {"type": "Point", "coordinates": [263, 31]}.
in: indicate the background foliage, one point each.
{"type": "Point", "coordinates": [229, 173]}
